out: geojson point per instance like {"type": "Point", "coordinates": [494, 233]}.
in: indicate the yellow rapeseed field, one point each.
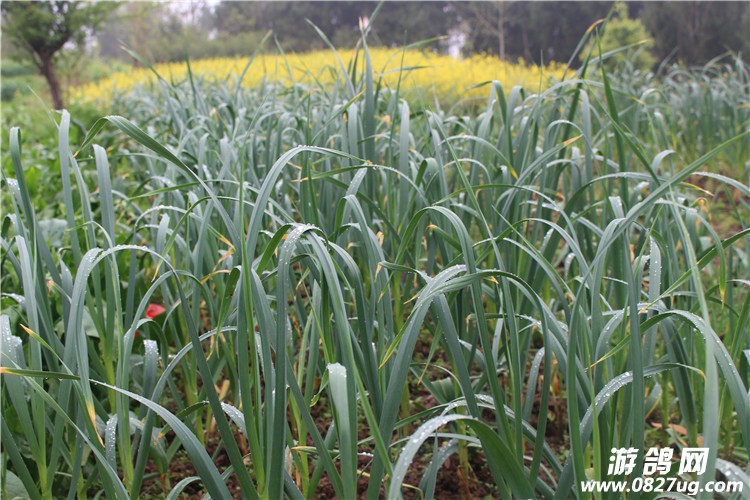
{"type": "Point", "coordinates": [449, 78]}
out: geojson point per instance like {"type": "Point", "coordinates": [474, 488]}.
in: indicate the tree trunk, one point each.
{"type": "Point", "coordinates": [48, 70]}
{"type": "Point", "coordinates": [501, 29]}
{"type": "Point", "coordinates": [525, 39]}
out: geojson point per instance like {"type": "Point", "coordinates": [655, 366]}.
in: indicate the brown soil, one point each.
{"type": "Point", "coordinates": [182, 467]}
{"type": "Point", "coordinates": [471, 481]}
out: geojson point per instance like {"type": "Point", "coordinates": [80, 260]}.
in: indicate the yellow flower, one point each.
{"type": "Point", "coordinates": [423, 73]}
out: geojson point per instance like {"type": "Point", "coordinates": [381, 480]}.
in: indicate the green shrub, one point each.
{"type": "Point", "coordinates": [10, 68]}
{"type": "Point", "coordinates": [8, 90]}
{"type": "Point", "coordinates": [622, 31]}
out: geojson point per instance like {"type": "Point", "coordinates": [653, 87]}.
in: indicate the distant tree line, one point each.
{"type": "Point", "coordinates": [692, 32]}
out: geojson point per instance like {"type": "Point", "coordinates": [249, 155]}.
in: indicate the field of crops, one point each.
{"type": "Point", "coordinates": [316, 287]}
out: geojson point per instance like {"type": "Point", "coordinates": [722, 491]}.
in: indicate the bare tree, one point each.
{"type": "Point", "coordinates": [492, 17]}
